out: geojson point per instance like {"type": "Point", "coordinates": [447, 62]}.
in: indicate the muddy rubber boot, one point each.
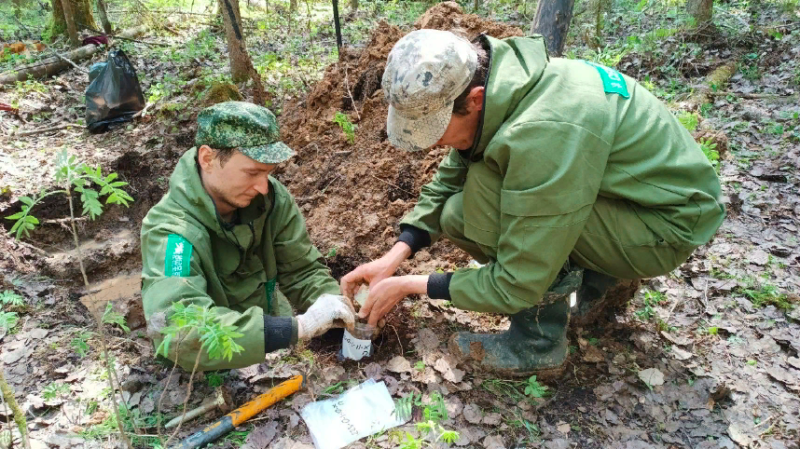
{"type": "Point", "coordinates": [536, 342]}
{"type": "Point", "coordinates": [600, 293]}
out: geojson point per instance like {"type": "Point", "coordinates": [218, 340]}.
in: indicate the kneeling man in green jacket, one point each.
{"type": "Point", "coordinates": [565, 176]}
{"type": "Point", "coordinates": [229, 237]}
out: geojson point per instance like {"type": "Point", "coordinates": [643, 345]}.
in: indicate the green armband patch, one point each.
{"type": "Point", "coordinates": [613, 83]}
{"type": "Point", "coordinates": [179, 256]}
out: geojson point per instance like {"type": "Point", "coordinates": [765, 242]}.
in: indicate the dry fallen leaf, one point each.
{"type": "Point", "coordinates": [652, 377]}
{"type": "Point", "coordinates": [399, 364]}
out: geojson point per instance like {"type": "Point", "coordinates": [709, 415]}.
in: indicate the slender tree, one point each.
{"type": "Point", "coordinates": [72, 30]}
{"type": "Point", "coordinates": [552, 21]}
{"type": "Point", "coordinates": [354, 5]}
{"type": "Point", "coordinates": [101, 11]}
{"type": "Point", "coordinates": [81, 16]}
{"type": "Point", "coordinates": [701, 10]}
{"type": "Point", "coordinates": [236, 45]}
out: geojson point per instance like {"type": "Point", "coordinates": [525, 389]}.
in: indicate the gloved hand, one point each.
{"type": "Point", "coordinates": [327, 312]}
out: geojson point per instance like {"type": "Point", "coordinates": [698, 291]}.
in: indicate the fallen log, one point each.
{"type": "Point", "coordinates": [51, 66]}
{"type": "Point", "coordinates": [716, 80]}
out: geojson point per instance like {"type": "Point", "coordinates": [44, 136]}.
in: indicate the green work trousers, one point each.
{"type": "Point", "coordinates": [614, 241]}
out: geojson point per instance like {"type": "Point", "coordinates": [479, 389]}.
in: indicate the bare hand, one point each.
{"type": "Point", "coordinates": [384, 295]}
{"type": "Point", "coordinates": [374, 272]}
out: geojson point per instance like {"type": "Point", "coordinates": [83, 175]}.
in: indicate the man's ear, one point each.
{"type": "Point", "coordinates": [475, 99]}
{"type": "Point", "coordinates": [205, 157]}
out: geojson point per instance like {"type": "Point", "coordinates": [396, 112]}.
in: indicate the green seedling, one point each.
{"type": "Point", "coordinates": [54, 390]}
{"type": "Point", "coordinates": [216, 338]}
{"type": "Point", "coordinates": [8, 320]}
{"type": "Point", "coordinates": [9, 298]}
{"type": "Point", "coordinates": [80, 343]}
{"type": "Point", "coordinates": [347, 126]}
{"type": "Point", "coordinates": [535, 389]}
{"type": "Point", "coordinates": [112, 317]}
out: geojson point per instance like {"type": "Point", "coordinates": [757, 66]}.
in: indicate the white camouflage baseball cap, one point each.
{"type": "Point", "coordinates": [426, 71]}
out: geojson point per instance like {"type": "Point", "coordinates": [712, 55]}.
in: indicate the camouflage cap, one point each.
{"type": "Point", "coordinates": [425, 72]}
{"type": "Point", "coordinates": [251, 129]}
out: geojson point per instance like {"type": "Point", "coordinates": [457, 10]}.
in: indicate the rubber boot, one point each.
{"type": "Point", "coordinates": [535, 343]}
{"type": "Point", "coordinates": [598, 294]}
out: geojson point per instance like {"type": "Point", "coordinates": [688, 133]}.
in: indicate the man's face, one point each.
{"type": "Point", "coordinates": [235, 182]}
{"type": "Point", "coordinates": [462, 129]}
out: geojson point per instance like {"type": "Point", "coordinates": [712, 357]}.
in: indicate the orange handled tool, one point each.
{"type": "Point", "coordinates": [240, 415]}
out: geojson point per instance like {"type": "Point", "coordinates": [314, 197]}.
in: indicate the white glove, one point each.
{"type": "Point", "coordinates": [327, 312]}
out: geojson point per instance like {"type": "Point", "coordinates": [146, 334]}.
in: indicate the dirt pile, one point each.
{"type": "Point", "coordinates": [354, 194]}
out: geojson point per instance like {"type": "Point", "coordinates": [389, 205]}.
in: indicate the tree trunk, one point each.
{"type": "Point", "coordinates": [81, 14]}
{"type": "Point", "coordinates": [354, 5]}
{"type": "Point", "coordinates": [101, 11]}
{"type": "Point", "coordinates": [552, 21]}
{"type": "Point", "coordinates": [478, 4]}
{"type": "Point", "coordinates": [701, 10]}
{"type": "Point", "coordinates": [236, 45]}
{"type": "Point", "coordinates": [72, 30]}
{"type": "Point", "coordinates": [241, 64]}
{"type": "Point", "coordinates": [18, 9]}
{"type": "Point", "coordinates": [292, 5]}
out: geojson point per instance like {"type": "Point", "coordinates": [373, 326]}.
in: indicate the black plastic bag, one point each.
{"type": "Point", "coordinates": [114, 94]}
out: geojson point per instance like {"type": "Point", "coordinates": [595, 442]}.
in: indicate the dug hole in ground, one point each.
{"type": "Point", "coordinates": [629, 382]}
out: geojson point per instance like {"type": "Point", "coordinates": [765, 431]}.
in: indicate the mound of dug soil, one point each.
{"type": "Point", "coordinates": [354, 195]}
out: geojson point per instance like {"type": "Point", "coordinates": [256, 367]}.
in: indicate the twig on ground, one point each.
{"type": "Point", "coordinates": [750, 96]}
{"type": "Point", "coordinates": [390, 184]}
{"type": "Point", "coordinates": [46, 130]}
{"type": "Point", "coordinates": [402, 351]}
{"type": "Point", "coordinates": [33, 248]}
{"type": "Point", "coordinates": [63, 220]}
{"type": "Point", "coordinates": [349, 93]}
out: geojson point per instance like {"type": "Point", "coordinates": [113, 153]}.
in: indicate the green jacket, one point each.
{"type": "Point", "coordinates": [555, 134]}
{"type": "Point", "coordinates": [189, 255]}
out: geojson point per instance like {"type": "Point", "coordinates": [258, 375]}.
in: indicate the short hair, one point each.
{"type": "Point", "coordinates": [478, 79]}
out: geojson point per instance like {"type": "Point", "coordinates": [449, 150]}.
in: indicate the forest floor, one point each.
{"type": "Point", "coordinates": [718, 339]}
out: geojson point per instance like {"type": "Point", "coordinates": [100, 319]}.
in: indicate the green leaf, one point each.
{"type": "Point", "coordinates": [8, 320]}
{"type": "Point", "coordinates": [10, 297]}
{"type": "Point", "coordinates": [27, 200]}
{"type": "Point", "coordinates": [16, 216]}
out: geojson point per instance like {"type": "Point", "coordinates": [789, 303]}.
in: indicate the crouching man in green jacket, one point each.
{"type": "Point", "coordinates": [227, 235]}
{"type": "Point", "coordinates": [555, 163]}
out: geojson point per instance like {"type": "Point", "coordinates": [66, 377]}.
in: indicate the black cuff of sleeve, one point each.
{"type": "Point", "coordinates": [439, 286]}
{"type": "Point", "coordinates": [414, 237]}
{"type": "Point", "coordinates": [278, 332]}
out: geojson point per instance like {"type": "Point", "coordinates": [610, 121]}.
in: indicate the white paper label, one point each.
{"type": "Point", "coordinates": [355, 349]}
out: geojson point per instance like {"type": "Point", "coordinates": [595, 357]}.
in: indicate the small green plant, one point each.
{"type": "Point", "coordinates": [332, 252]}
{"type": "Point", "coordinates": [767, 295]}
{"type": "Point", "coordinates": [650, 300]}
{"type": "Point", "coordinates": [216, 338]}
{"type": "Point", "coordinates": [419, 366]}
{"type": "Point", "coordinates": [713, 330]}
{"type": "Point", "coordinates": [535, 389]}
{"type": "Point", "coordinates": [689, 120]}
{"type": "Point", "coordinates": [347, 126]}
{"type": "Point", "coordinates": [8, 320]}
{"type": "Point", "coordinates": [404, 407]}
{"type": "Point", "coordinates": [710, 150]}
{"type": "Point", "coordinates": [9, 298]}
{"type": "Point", "coordinates": [80, 343]}
{"type": "Point", "coordinates": [751, 362]}
{"type": "Point", "coordinates": [436, 410]}
{"type": "Point", "coordinates": [215, 380]}
{"type": "Point", "coordinates": [77, 176]}
{"type": "Point", "coordinates": [54, 390]}
{"type": "Point", "coordinates": [433, 414]}
{"type": "Point", "coordinates": [112, 317]}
